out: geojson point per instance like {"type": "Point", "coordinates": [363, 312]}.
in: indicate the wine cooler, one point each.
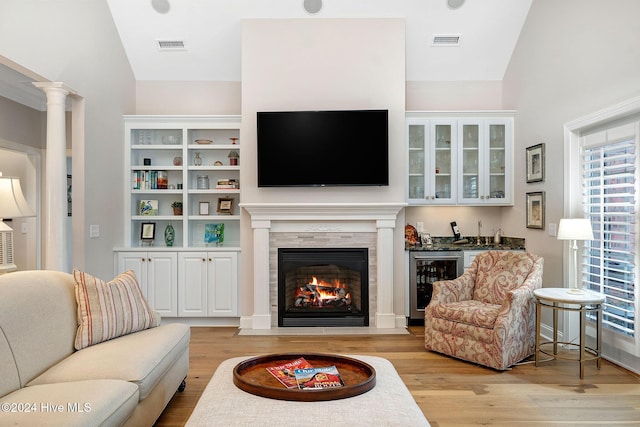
{"type": "Point", "coordinates": [426, 267]}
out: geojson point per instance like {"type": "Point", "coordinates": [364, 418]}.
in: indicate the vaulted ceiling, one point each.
{"type": "Point", "coordinates": [210, 30]}
{"type": "Point", "coordinates": [211, 33]}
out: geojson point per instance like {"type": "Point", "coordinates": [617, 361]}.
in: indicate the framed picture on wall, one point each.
{"type": "Point", "coordinates": [535, 210]}
{"type": "Point", "coordinates": [535, 163]}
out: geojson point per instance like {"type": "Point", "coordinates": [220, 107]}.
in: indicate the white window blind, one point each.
{"type": "Point", "coordinates": [609, 176]}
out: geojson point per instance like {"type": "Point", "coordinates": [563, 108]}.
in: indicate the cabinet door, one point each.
{"type": "Point", "coordinates": [470, 161]}
{"type": "Point", "coordinates": [136, 261]}
{"type": "Point", "coordinates": [417, 134]}
{"type": "Point", "coordinates": [498, 162]}
{"type": "Point", "coordinates": [192, 284]}
{"type": "Point", "coordinates": [442, 155]}
{"type": "Point", "coordinates": [162, 283]}
{"type": "Point", "coordinates": [222, 289]}
{"type": "Point", "coordinates": [431, 156]}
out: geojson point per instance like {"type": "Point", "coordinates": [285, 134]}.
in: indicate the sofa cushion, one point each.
{"type": "Point", "coordinates": [109, 310]}
{"type": "Point", "coordinates": [71, 404]}
{"type": "Point", "coordinates": [38, 321]}
{"type": "Point", "coordinates": [141, 358]}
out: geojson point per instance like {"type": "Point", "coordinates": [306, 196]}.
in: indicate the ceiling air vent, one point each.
{"type": "Point", "coordinates": [446, 40]}
{"type": "Point", "coordinates": [170, 45]}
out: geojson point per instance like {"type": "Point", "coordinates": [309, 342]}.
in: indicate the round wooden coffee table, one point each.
{"type": "Point", "coordinates": [252, 376]}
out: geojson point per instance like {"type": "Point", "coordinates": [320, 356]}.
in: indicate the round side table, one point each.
{"type": "Point", "coordinates": [560, 299]}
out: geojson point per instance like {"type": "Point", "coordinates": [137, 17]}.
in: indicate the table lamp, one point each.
{"type": "Point", "coordinates": [12, 205]}
{"type": "Point", "coordinates": [575, 229]}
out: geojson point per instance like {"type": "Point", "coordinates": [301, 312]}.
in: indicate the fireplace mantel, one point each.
{"type": "Point", "coordinates": [323, 217]}
{"type": "Point", "coordinates": [323, 211]}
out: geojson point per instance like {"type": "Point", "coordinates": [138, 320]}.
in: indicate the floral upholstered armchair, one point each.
{"type": "Point", "coordinates": [487, 315]}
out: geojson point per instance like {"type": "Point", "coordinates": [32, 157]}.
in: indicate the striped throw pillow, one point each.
{"type": "Point", "coordinates": [109, 310]}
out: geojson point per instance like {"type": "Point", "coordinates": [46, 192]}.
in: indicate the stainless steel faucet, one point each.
{"type": "Point", "coordinates": [479, 232]}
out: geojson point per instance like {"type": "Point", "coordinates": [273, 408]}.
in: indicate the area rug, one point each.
{"type": "Point", "coordinates": [389, 403]}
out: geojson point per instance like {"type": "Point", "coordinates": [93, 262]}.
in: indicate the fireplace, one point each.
{"type": "Point", "coordinates": [323, 287]}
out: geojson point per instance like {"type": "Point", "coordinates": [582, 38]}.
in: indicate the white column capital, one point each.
{"type": "Point", "coordinates": [54, 87]}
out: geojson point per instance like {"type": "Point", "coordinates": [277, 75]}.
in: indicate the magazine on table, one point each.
{"type": "Point", "coordinates": [286, 373]}
{"type": "Point", "coordinates": [318, 378]}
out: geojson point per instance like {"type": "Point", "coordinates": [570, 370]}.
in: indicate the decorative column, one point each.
{"type": "Point", "coordinates": [55, 246]}
{"type": "Point", "coordinates": [261, 301]}
{"type": "Point", "coordinates": [385, 317]}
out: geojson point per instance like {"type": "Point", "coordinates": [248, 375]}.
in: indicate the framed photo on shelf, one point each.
{"type": "Point", "coordinates": [535, 163]}
{"type": "Point", "coordinates": [204, 208]}
{"type": "Point", "coordinates": [148, 231]}
{"type": "Point", "coordinates": [148, 207]}
{"type": "Point", "coordinates": [535, 210]}
{"type": "Point", "coordinates": [214, 233]}
{"type": "Point", "coordinates": [225, 206]}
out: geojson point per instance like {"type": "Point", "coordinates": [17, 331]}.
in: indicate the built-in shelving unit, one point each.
{"type": "Point", "coordinates": [194, 162]}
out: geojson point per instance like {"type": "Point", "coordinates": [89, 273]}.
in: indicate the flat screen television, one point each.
{"type": "Point", "coordinates": [323, 148]}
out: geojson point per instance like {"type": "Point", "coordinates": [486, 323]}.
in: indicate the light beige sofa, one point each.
{"type": "Point", "coordinates": [44, 381]}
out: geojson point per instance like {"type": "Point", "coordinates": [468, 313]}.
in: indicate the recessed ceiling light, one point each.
{"type": "Point", "coordinates": [455, 4]}
{"type": "Point", "coordinates": [312, 6]}
{"type": "Point", "coordinates": [161, 6]}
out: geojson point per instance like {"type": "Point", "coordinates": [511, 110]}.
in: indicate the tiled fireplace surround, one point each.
{"type": "Point", "coordinates": [304, 225]}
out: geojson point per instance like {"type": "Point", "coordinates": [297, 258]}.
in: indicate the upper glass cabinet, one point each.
{"type": "Point", "coordinates": [460, 160]}
{"type": "Point", "coordinates": [431, 162]}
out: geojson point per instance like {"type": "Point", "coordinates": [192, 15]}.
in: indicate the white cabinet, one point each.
{"type": "Point", "coordinates": [207, 284]}
{"type": "Point", "coordinates": [469, 256]}
{"type": "Point", "coordinates": [462, 158]}
{"type": "Point", "coordinates": [157, 275]}
{"type": "Point", "coordinates": [432, 161]}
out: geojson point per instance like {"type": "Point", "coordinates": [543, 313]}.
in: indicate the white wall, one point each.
{"type": "Point", "coordinates": [75, 42]}
{"type": "Point", "coordinates": [322, 64]}
{"type": "Point", "coordinates": [573, 57]}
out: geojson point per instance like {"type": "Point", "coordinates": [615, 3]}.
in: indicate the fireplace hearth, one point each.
{"type": "Point", "coordinates": [323, 287]}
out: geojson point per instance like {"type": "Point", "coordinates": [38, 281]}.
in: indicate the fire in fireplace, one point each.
{"type": "Point", "coordinates": [323, 287]}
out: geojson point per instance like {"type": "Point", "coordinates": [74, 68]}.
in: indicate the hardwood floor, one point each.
{"type": "Point", "coordinates": [449, 392]}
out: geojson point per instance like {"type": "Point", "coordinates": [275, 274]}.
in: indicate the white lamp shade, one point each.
{"type": "Point", "coordinates": [575, 229]}
{"type": "Point", "coordinates": [12, 201]}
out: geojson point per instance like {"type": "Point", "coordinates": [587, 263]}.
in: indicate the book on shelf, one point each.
{"type": "Point", "coordinates": [227, 183]}
{"type": "Point", "coordinates": [318, 378]}
{"type": "Point", "coordinates": [149, 180]}
{"type": "Point", "coordinates": [285, 373]}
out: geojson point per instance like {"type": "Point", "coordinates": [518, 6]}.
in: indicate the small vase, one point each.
{"type": "Point", "coordinates": [169, 235]}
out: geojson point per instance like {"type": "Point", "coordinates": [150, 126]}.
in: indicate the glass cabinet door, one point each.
{"type": "Point", "coordinates": [497, 161]}
{"type": "Point", "coordinates": [471, 158]}
{"type": "Point", "coordinates": [417, 146]}
{"type": "Point", "coordinates": [443, 188]}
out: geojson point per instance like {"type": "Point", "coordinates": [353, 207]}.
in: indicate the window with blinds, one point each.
{"type": "Point", "coordinates": [609, 175]}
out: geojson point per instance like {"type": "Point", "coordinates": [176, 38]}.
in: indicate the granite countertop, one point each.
{"type": "Point", "coordinates": [447, 244]}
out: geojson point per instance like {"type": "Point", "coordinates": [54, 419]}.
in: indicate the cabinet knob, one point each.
{"type": "Point", "coordinates": [209, 259]}
{"type": "Point", "coordinates": [149, 260]}
{"type": "Point", "coordinates": [144, 259]}
{"type": "Point", "coordinates": [203, 260]}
